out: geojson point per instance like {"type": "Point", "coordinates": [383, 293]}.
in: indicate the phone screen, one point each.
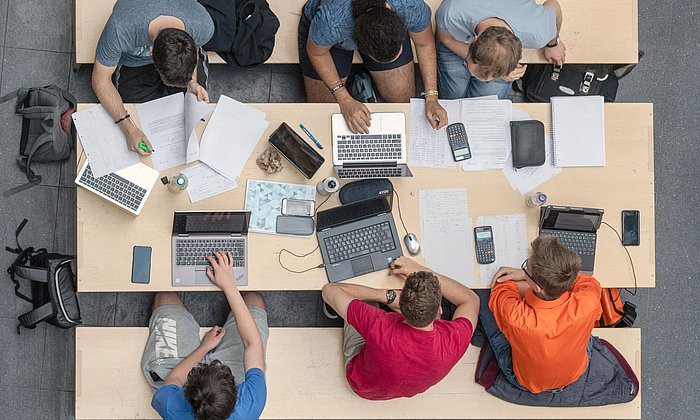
{"type": "Point", "coordinates": [630, 227]}
{"type": "Point", "coordinates": [291, 207]}
{"type": "Point", "coordinates": [141, 265]}
{"type": "Point", "coordinates": [294, 148]}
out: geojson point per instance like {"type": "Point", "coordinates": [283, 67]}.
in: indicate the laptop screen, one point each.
{"type": "Point", "coordinates": [211, 222]}
{"type": "Point", "coordinates": [351, 212]}
{"type": "Point", "coordinates": [571, 219]}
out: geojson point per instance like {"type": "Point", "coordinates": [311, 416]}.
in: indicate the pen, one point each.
{"type": "Point", "coordinates": [143, 147]}
{"type": "Point", "coordinates": [311, 136]}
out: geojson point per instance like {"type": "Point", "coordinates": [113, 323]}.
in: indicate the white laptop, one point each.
{"type": "Point", "coordinates": [127, 188]}
{"type": "Point", "coordinates": [379, 154]}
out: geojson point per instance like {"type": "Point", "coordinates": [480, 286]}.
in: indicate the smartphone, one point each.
{"type": "Point", "coordinates": [296, 150]}
{"type": "Point", "coordinates": [295, 225]}
{"type": "Point", "coordinates": [459, 143]}
{"type": "Point", "coordinates": [141, 265]}
{"type": "Point", "coordinates": [485, 249]}
{"type": "Point", "coordinates": [294, 207]}
{"type": "Point", "coordinates": [630, 227]}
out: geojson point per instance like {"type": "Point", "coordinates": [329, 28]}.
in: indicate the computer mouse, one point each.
{"type": "Point", "coordinates": [412, 244]}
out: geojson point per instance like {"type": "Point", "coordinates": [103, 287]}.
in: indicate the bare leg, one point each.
{"type": "Point", "coordinates": [167, 298]}
{"type": "Point", "coordinates": [397, 85]}
{"type": "Point", "coordinates": [317, 91]}
{"type": "Point", "coordinates": [254, 299]}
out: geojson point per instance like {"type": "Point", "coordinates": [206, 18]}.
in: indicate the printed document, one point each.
{"type": "Point", "coordinates": [428, 148]}
{"type": "Point", "coordinates": [232, 133]}
{"type": "Point", "coordinates": [103, 141]}
{"type": "Point", "coordinates": [204, 182]}
{"type": "Point", "coordinates": [445, 237]}
{"type": "Point", "coordinates": [488, 128]}
{"type": "Point", "coordinates": [509, 240]}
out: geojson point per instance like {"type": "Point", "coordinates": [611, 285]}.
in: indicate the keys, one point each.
{"type": "Point", "coordinates": [115, 187]}
{"type": "Point", "coordinates": [363, 241]}
{"type": "Point", "coordinates": [194, 251]}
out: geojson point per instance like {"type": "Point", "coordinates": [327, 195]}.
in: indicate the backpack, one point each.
{"type": "Point", "coordinates": [617, 313]}
{"type": "Point", "coordinates": [245, 30]}
{"type": "Point", "coordinates": [48, 133]}
{"type": "Point", "coordinates": [52, 284]}
{"type": "Point", "coordinates": [360, 87]}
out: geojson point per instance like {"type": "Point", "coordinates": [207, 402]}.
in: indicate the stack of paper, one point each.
{"type": "Point", "coordinates": [578, 128]}
{"type": "Point", "coordinates": [488, 128]}
{"type": "Point", "coordinates": [510, 243]}
{"type": "Point", "coordinates": [428, 148]}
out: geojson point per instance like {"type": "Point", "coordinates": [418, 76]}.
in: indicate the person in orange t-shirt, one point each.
{"type": "Point", "coordinates": [539, 318]}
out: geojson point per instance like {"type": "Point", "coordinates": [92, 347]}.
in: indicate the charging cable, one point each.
{"type": "Point", "coordinates": [634, 273]}
{"type": "Point", "coordinates": [398, 206]}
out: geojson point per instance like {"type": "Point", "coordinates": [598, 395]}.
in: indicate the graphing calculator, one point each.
{"type": "Point", "coordinates": [459, 144]}
{"type": "Point", "coordinates": [485, 252]}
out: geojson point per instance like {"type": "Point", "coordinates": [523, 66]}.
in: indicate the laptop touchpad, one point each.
{"type": "Point", "coordinates": [362, 265]}
{"type": "Point", "coordinates": [200, 277]}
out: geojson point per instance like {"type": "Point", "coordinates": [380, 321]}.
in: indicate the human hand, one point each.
{"type": "Point", "coordinates": [134, 136]}
{"type": "Point", "coordinates": [395, 304]}
{"type": "Point", "coordinates": [212, 338]}
{"type": "Point", "coordinates": [516, 74]}
{"type": "Point", "coordinates": [436, 114]}
{"type": "Point", "coordinates": [404, 266]}
{"type": "Point", "coordinates": [356, 114]}
{"type": "Point", "coordinates": [556, 55]}
{"type": "Point", "coordinates": [197, 90]}
{"type": "Point", "coordinates": [508, 273]}
{"type": "Point", "coordinates": [221, 271]}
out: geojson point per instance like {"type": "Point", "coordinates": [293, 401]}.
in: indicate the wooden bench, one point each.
{"type": "Point", "coordinates": [306, 380]}
{"type": "Point", "coordinates": [588, 28]}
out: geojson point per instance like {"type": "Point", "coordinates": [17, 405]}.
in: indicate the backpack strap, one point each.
{"type": "Point", "coordinates": [31, 273]}
{"type": "Point", "coordinates": [9, 96]}
{"type": "Point", "coordinates": [17, 250]}
{"type": "Point", "coordinates": [31, 318]}
{"type": "Point", "coordinates": [25, 165]}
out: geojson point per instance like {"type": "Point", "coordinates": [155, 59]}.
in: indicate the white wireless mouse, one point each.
{"type": "Point", "coordinates": [412, 244]}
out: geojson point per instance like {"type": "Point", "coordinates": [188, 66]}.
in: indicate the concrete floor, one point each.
{"type": "Point", "coordinates": [36, 379]}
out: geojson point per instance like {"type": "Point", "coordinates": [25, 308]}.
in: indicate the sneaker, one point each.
{"type": "Point", "coordinates": [329, 311]}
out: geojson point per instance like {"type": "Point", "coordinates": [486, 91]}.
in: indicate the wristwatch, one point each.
{"type": "Point", "coordinates": [390, 296]}
{"type": "Point", "coordinates": [556, 42]}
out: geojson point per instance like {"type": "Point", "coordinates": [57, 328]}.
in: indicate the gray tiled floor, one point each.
{"type": "Point", "coordinates": [36, 379]}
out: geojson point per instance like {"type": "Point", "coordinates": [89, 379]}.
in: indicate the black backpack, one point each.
{"type": "Point", "coordinates": [48, 133]}
{"type": "Point", "coordinates": [52, 285]}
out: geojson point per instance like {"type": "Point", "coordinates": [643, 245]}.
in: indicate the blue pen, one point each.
{"type": "Point", "coordinates": [311, 136]}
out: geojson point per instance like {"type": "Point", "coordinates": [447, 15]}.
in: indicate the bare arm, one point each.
{"type": "Point", "coordinates": [222, 276]}
{"type": "Point", "coordinates": [458, 47]}
{"type": "Point", "coordinates": [556, 8]}
{"type": "Point", "coordinates": [427, 61]}
{"type": "Point", "coordinates": [113, 104]}
{"type": "Point", "coordinates": [178, 376]}
{"type": "Point", "coordinates": [557, 53]}
{"type": "Point", "coordinates": [340, 295]}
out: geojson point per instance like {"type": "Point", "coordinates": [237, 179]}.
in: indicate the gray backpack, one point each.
{"type": "Point", "coordinates": [48, 134]}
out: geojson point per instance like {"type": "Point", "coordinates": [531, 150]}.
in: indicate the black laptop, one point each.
{"type": "Point", "coordinates": [358, 238]}
{"type": "Point", "coordinates": [576, 228]}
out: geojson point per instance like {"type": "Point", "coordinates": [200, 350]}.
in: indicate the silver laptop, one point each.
{"type": "Point", "coordinates": [197, 234]}
{"type": "Point", "coordinates": [379, 154]}
{"type": "Point", "coordinates": [127, 189]}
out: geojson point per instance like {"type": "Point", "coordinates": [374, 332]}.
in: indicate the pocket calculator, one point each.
{"type": "Point", "coordinates": [459, 144]}
{"type": "Point", "coordinates": [485, 252]}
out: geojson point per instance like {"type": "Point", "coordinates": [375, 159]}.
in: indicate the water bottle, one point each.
{"type": "Point", "coordinates": [536, 199]}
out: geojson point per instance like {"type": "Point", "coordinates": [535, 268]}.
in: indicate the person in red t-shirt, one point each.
{"type": "Point", "coordinates": [538, 319]}
{"type": "Point", "coordinates": [403, 353]}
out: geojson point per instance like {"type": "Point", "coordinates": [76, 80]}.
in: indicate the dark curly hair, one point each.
{"type": "Point", "coordinates": [420, 299]}
{"type": "Point", "coordinates": [379, 31]}
{"type": "Point", "coordinates": [175, 56]}
{"type": "Point", "coordinates": [211, 391]}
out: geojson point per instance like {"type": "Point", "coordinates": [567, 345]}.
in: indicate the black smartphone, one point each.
{"type": "Point", "coordinates": [141, 265]}
{"type": "Point", "coordinates": [485, 249]}
{"type": "Point", "coordinates": [296, 150]}
{"type": "Point", "coordinates": [630, 227]}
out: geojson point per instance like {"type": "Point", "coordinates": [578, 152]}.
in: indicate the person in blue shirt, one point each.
{"type": "Point", "coordinates": [479, 43]}
{"type": "Point", "coordinates": [381, 31]}
{"type": "Point", "coordinates": [223, 375]}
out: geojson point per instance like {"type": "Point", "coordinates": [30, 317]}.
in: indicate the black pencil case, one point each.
{"type": "Point", "coordinates": [527, 142]}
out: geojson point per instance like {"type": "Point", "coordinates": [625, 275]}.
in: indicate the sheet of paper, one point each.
{"type": "Point", "coordinates": [510, 243]}
{"type": "Point", "coordinates": [231, 135]}
{"type": "Point", "coordinates": [204, 182]}
{"type": "Point", "coordinates": [488, 128]}
{"type": "Point", "coordinates": [527, 179]}
{"type": "Point", "coordinates": [446, 233]}
{"type": "Point", "coordinates": [428, 148]}
{"type": "Point", "coordinates": [104, 143]}
{"type": "Point", "coordinates": [195, 111]}
{"type": "Point", "coordinates": [163, 122]}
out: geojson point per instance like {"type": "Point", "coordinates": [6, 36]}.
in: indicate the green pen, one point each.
{"type": "Point", "coordinates": [143, 147]}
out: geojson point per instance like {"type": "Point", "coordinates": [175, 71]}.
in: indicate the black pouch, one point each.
{"type": "Point", "coordinates": [527, 143]}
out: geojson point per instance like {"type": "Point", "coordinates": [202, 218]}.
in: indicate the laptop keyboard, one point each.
{"type": "Point", "coordinates": [115, 187]}
{"type": "Point", "coordinates": [362, 241]}
{"type": "Point", "coordinates": [369, 147]}
{"type": "Point", "coordinates": [193, 251]}
{"type": "Point", "coordinates": [581, 242]}
{"type": "Point", "coordinates": [349, 173]}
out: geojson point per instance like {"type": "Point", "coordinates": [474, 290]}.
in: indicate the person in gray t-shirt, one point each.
{"type": "Point", "coordinates": [479, 43]}
{"type": "Point", "coordinates": [149, 50]}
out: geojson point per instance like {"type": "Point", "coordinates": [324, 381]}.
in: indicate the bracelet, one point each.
{"type": "Point", "coordinates": [127, 116]}
{"type": "Point", "coordinates": [336, 87]}
{"type": "Point", "coordinates": [556, 42]}
{"type": "Point", "coordinates": [429, 92]}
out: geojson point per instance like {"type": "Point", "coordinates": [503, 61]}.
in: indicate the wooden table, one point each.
{"type": "Point", "coordinates": [106, 235]}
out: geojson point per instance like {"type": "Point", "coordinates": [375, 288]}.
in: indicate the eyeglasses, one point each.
{"type": "Point", "coordinates": [523, 267]}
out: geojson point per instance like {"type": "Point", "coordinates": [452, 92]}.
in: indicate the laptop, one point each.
{"type": "Point", "coordinates": [576, 228]}
{"type": "Point", "coordinates": [379, 154]}
{"type": "Point", "coordinates": [197, 234]}
{"type": "Point", "coordinates": [127, 188]}
{"type": "Point", "coordinates": [358, 238]}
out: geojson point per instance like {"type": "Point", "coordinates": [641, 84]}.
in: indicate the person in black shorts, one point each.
{"type": "Point", "coordinates": [331, 30]}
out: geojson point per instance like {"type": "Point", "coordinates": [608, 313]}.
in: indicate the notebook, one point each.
{"type": "Point", "coordinates": [578, 131]}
